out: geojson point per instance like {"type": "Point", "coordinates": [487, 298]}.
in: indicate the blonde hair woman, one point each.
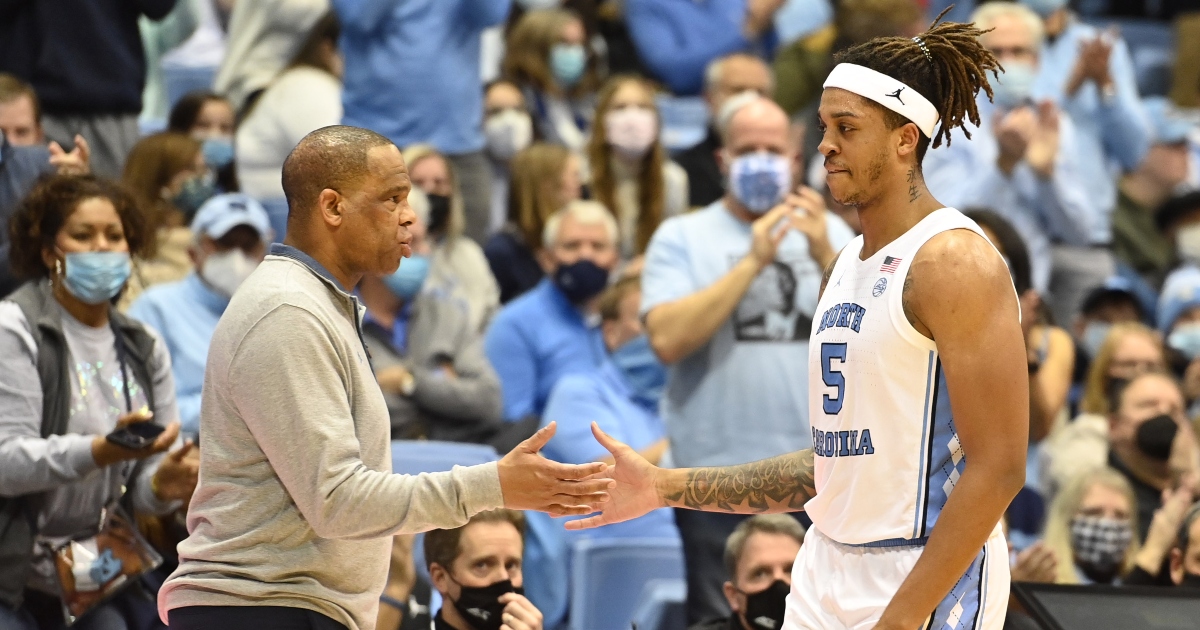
{"type": "Point", "coordinates": [457, 264]}
{"type": "Point", "coordinates": [630, 172]}
{"type": "Point", "coordinates": [1092, 528]}
{"type": "Point", "coordinates": [1128, 350]}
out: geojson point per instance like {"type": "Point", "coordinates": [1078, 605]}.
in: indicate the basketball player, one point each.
{"type": "Point", "coordinates": [918, 384]}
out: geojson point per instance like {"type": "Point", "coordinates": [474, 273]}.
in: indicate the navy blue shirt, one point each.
{"type": "Point", "coordinates": [20, 168]}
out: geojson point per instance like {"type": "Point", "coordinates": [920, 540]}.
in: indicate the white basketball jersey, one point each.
{"type": "Point", "coordinates": [886, 449]}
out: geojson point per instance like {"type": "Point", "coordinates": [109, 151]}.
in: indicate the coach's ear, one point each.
{"type": "Point", "coordinates": [907, 138]}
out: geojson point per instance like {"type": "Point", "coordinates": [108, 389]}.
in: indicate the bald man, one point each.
{"type": "Point", "coordinates": [292, 519]}
{"type": "Point", "coordinates": [728, 295]}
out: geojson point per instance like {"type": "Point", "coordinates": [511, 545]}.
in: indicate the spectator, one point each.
{"type": "Point", "coordinates": [208, 118]}
{"type": "Point", "coordinates": [677, 39]}
{"type": "Point", "coordinates": [1092, 529]}
{"type": "Point", "coordinates": [548, 59]}
{"type": "Point", "coordinates": [1185, 559]}
{"type": "Point", "coordinates": [477, 570]}
{"type": "Point", "coordinates": [725, 77]}
{"type": "Point", "coordinates": [412, 74]}
{"type": "Point", "coordinates": [545, 178]}
{"type": "Point", "coordinates": [1137, 240]}
{"type": "Point", "coordinates": [72, 238]}
{"type": "Point", "coordinates": [457, 264]}
{"type": "Point", "coordinates": [167, 175]}
{"type": "Point", "coordinates": [404, 604]}
{"type": "Point", "coordinates": [20, 113]}
{"type": "Point", "coordinates": [758, 562]}
{"type": "Point", "coordinates": [1109, 304]}
{"type": "Point", "coordinates": [1022, 158]}
{"type": "Point", "coordinates": [1179, 221]}
{"type": "Point", "coordinates": [1129, 350]}
{"type": "Point", "coordinates": [1091, 76]}
{"type": "Point", "coordinates": [1179, 322]}
{"type": "Point", "coordinates": [630, 171]}
{"type": "Point", "coordinates": [160, 37]}
{"type": "Point", "coordinates": [264, 37]}
{"type": "Point", "coordinates": [548, 333]}
{"type": "Point", "coordinates": [90, 83]}
{"type": "Point", "coordinates": [616, 393]}
{"type": "Point", "coordinates": [729, 293]}
{"type": "Point", "coordinates": [509, 130]}
{"type": "Point", "coordinates": [428, 358]}
{"type": "Point", "coordinates": [229, 238]}
{"type": "Point", "coordinates": [305, 96]}
{"type": "Point", "coordinates": [1160, 560]}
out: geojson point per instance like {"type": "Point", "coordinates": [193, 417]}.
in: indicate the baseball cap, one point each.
{"type": "Point", "coordinates": [222, 213]}
{"type": "Point", "coordinates": [1180, 292]}
{"type": "Point", "coordinates": [1168, 125]}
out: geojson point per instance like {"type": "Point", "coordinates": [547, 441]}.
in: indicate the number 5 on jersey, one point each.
{"type": "Point", "coordinates": [832, 376]}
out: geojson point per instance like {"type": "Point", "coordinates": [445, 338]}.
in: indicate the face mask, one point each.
{"type": "Point", "coordinates": [642, 369]}
{"type": "Point", "coordinates": [580, 281]}
{"type": "Point", "coordinates": [567, 63]}
{"type": "Point", "coordinates": [1155, 437]}
{"type": "Point", "coordinates": [218, 151]}
{"type": "Point", "coordinates": [96, 277]}
{"type": "Point", "coordinates": [1094, 335]}
{"type": "Point", "coordinates": [760, 181]}
{"type": "Point", "coordinates": [226, 271]}
{"type": "Point", "coordinates": [539, 5]}
{"type": "Point", "coordinates": [507, 132]}
{"type": "Point", "coordinates": [407, 281]}
{"type": "Point", "coordinates": [1186, 339]}
{"type": "Point", "coordinates": [1190, 581]}
{"type": "Point", "coordinates": [1044, 7]}
{"type": "Point", "coordinates": [1099, 544]}
{"type": "Point", "coordinates": [1187, 242]}
{"type": "Point", "coordinates": [765, 609]}
{"type": "Point", "coordinates": [631, 131]}
{"type": "Point", "coordinates": [439, 212]}
{"type": "Point", "coordinates": [194, 193]}
{"type": "Point", "coordinates": [481, 607]}
{"type": "Point", "coordinates": [1014, 86]}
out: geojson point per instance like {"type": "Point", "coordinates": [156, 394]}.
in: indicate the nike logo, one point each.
{"type": "Point", "coordinates": [896, 95]}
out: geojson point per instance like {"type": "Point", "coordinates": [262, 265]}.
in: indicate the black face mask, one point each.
{"type": "Point", "coordinates": [1155, 436]}
{"type": "Point", "coordinates": [581, 281]}
{"type": "Point", "coordinates": [1190, 580]}
{"type": "Point", "coordinates": [765, 609]}
{"type": "Point", "coordinates": [439, 213]}
{"type": "Point", "coordinates": [480, 605]}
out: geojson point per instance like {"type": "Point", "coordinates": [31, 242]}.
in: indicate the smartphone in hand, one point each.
{"type": "Point", "coordinates": [136, 436]}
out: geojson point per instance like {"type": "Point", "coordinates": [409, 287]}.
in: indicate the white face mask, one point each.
{"type": "Point", "coordinates": [1187, 242]}
{"type": "Point", "coordinates": [631, 130]}
{"type": "Point", "coordinates": [508, 132]}
{"type": "Point", "coordinates": [226, 271]}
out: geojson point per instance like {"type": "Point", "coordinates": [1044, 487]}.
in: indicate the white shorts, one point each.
{"type": "Point", "coordinates": [846, 587]}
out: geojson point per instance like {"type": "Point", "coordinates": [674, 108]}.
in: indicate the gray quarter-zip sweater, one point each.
{"type": "Point", "coordinates": [297, 502]}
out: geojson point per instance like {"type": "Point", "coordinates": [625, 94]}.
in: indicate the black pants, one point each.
{"type": "Point", "coordinates": [249, 618]}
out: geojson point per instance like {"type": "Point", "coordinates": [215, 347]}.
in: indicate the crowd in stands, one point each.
{"type": "Point", "coordinates": [598, 186]}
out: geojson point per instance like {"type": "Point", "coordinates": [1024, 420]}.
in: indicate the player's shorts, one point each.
{"type": "Point", "coordinates": [846, 587]}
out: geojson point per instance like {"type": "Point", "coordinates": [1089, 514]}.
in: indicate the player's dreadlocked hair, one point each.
{"type": "Point", "coordinates": [946, 64]}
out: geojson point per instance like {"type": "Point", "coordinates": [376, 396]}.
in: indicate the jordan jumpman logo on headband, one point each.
{"type": "Point", "coordinates": [896, 95]}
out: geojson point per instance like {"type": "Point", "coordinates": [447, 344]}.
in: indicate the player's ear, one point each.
{"type": "Point", "coordinates": [908, 136]}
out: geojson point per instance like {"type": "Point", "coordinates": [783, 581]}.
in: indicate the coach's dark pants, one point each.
{"type": "Point", "coordinates": [704, 535]}
{"type": "Point", "coordinates": [249, 618]}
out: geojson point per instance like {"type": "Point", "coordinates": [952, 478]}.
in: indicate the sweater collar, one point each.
{"type": "Point", "coordinates": [287, 251]}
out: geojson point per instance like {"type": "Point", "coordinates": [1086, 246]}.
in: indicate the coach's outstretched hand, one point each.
{"type": "Point", "coordinates": [532, 482]}
{"type": "Point", "coordinates": [636, 490]}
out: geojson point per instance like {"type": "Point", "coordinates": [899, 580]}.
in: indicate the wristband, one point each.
{"type": "Point", "coordinates": [394, 603]}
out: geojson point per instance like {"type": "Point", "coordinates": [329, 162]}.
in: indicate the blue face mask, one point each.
{"type": "Point", "coordinates": [1186, 339]}
{"type": "Point", "coordinates": [96, 277]}
{"type": "Point", "coordinates": [1014, 87]}
{"type": "Point", "coordinates": [1094, 335]}
{"type": "Point", "coordinates": [567, 63]}
{"type": "Point", "coordinates": [644, 373]}
{"type": "Point", "coordinates": [760, 181]}
{"type": "Point", "coordinates": [407, 281]}
{"type": "Point", "coordinates": [1044, 7]}
{"type": "Point", "coordinates": [194, 193]}
{"type": "Point", "coordinates": [218, 152]}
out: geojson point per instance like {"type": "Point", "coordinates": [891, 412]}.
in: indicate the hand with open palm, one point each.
{"type": "Point", "coordinates": [637, 486]}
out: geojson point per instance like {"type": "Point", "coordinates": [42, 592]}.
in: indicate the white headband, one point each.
{"type": "Point", "coordinates": [886, 91]}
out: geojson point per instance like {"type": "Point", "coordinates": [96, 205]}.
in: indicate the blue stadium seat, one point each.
{"type": "Point", "coordinates": [277, 211]}
{"type": "Point", "coordinates": [180, 80]}
{"type": "Point", "coordinates": [1151, 47]}
{"type": "Point", "coordinates": [662, 606]}
{"type": "Point", "coordinates": [609, 575]}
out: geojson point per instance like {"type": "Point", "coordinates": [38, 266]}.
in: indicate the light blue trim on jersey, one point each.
{"type": "Point", "coordinates": [891, 542]}
{"type": "Point", "coordinates": [921, 473]}
{"type": "Point", "coordinates": [967, 601]}
{"type": "Point", "coordinates": [942, 446]}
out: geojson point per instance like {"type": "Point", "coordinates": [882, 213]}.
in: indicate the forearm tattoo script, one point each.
{"type": "Point", "coordinates": [782, 483]}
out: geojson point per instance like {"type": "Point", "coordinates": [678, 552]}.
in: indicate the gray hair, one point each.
{"type": "Point", "coordinates": [783, 524]}
{"type": "Point", "coordinates": [731, 108]}
{"type": "Point", "coordinates": [714, 69]}
{"type": "Point", "coordinates": [986, 16]}
{"type": "Point", "coordinates": [584, 212]}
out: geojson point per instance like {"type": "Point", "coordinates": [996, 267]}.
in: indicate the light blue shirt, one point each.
{"type": "Point", "coordinates": [601, 395]}
{"type": "Point", "coordinates": [742, 396]}
{"type": "Point", "coordinates": [1113, 135]}
{"type": "Point", "coordinates": [185, 313]}
{"type": "Point", "coordinates": [412, 68]}
{"type": "Point", "coordinates": [964, 175]}
{"type": "Point", "coordinates": [533, 342]}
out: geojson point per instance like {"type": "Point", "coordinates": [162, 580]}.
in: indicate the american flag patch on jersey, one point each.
{"type": "Point", "coordinates": [890, 264]}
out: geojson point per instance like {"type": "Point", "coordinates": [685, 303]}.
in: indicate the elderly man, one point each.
{"type": "Point", "coordinates": [735, 382]}
{"type": "Point", "coordinates": [292, 521]}
{"type": "Point", "coordinates": [1023, 159]}
{"type": "Point", "coordinates": [553, 330]}
{"type": "Point", "coordinates": [724, 78]}
{"type": "Point", "coordinates": [230, 235]}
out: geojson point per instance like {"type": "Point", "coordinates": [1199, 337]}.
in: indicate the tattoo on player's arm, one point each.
{"type": "Point", "coordinates": [905, 298]}
{"type": "Point", "coordinates": [785, 482]}
{"type": "Point", "coordinates": [913, 192]}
